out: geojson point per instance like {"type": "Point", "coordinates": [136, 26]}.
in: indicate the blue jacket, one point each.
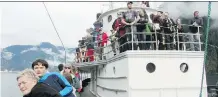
{"type": "Point", "coordinates": [59, 83]}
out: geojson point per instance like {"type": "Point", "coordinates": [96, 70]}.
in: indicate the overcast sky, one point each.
{"type": "Point", "coordinates": [26, 23]}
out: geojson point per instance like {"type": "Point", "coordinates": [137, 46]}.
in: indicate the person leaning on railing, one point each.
{"type": "Point", "coordinates": [102, 41]}
{"type": "Point", "coordinates": [113, 39]}
{"type": "Point", "coordinates": [179, 37]}
{"type": "Point", "coordinates": [143, 30]}
{"type": "Point", "coordinates": [197, 23]}
{"type": "Point", "coordinates": [89, 57]}
{"type": "Point", "coordinates": [130, 17]}
{"type": "Point", "coordinates": [157, 19]}
{"type": "Point", "coordinates": [119, 32]}
{"type": "Point", "coordinates": [78, 54]}
{"type": "Point", "coordinates": [169, 31]}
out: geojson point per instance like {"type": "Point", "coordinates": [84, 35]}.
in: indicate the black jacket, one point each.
{"type": "Point", "coordinates": [43, 90]}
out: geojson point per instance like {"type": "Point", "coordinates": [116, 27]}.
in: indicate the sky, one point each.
{"type": "Point", "coordinates": [27, 23]}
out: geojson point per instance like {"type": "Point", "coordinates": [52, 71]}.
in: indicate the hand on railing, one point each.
{"type": "Point", "coordinates": [154, 41]}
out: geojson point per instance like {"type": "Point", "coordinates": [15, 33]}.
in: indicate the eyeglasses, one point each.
{"type": "Point", "coordinates": [67, 67]}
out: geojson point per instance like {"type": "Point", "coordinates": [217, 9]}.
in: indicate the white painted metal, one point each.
{"type": "Point", "coordinates": [131, 79]}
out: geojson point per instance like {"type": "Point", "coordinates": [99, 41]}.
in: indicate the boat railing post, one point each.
{"type": "Point", "coordinates": [199, 38]}
{"type": "Point", "coordinates": [177, 32]}
{"type": "Point", "coordinates": [89, 58]}
{"type": "Point", "coordinates": [176, 92]}
{"type": "Point", "coordinates": [132, 35]}
{"type": "Point", "coordinates": [156, 39]}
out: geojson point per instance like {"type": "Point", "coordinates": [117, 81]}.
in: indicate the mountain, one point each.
{"type": "Point", "coordinates": [19, 57]}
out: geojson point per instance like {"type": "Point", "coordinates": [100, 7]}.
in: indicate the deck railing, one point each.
{"type": "Point", "coordinates": [106, 51]}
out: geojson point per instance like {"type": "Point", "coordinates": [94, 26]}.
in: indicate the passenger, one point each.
{"type": "Point", "coordinates": [169, 31]}
{"type": "Point", "coordinates": [113, 39]}
{"type": "Point", "coordinates": [85, 83]}
{"type": "Point", "coordinates": [70, 80]}
{"type": "Point", "coordinates": [145, 4]}
{"type": "Point", "coordinates": [157, 19]}
{"type": "Point", "coordinates": [94, 37]}
{"type": "Point", "coordinates": [153, 36]}
{"type": "Point", "coordinates": [83, 49]}
{"type": "Point", "coordinates": [60, 67]}
{"type": "Point", "coordinates": [130, 18]}
{"type": "Point", "coordinates": [90, 53]}
{"type": "Point", "coordinates": [78, 54]}
{"type": "Point", "coordinates": [90, 46]}
{"type": "Point", "coordinates": [195, 22]}
{"type": "Point", "coordinates": [68, 69]}
{"type": "Point", "coordinates": [97, 27]}
{"type": "Point", "coordinates": [77, 74]}
{"type": "Point", "coordinates": [55, 80]}
{"type": "Point", "coordinates": [119, 28]}
{"type": "Point", "coordinates": [102, 39]}
{"type": "Point", "coordinates": [143, 22]}
{"type": "Point", "coordinates": [180, 36]}
{"type": "Point", "coordinates": [28, 84]}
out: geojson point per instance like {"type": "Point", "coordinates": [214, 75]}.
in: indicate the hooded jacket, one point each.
{"type": "Point", "coordinates": [58, 82]}
{"type": "Point", "coordinates": [43, 90]}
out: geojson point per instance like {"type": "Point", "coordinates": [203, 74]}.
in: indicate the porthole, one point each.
{"type": "Point", "coordinates": [109, 18]}
{"type": "Point", "coordinates": [184, 67]}
{"type": "Point", "coordinates": [150, 67]}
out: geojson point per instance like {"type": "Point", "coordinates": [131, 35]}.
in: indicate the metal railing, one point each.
{"type": "Point", "coordinates": [101, 52]}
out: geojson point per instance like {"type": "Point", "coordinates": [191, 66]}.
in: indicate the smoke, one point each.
{"type": "Point", "coordinates": [186, 10]}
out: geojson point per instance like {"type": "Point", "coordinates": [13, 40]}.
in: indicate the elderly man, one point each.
{"type": "Point", "coordinates": [27, 82]}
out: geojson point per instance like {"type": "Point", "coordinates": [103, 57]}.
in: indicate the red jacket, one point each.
{"type": "Point", "coordinates": [104, 39]}
{"type": "Point", "coordinates": [90, 54]}
{"type": "Point", "coordinates": [118, 24]}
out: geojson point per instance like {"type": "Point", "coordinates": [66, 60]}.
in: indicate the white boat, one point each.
{"type": "Point", "coordinates": [145, 73]}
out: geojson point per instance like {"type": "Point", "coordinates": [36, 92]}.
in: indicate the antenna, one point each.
{"type": "Point", "coordinates": [111, 5]}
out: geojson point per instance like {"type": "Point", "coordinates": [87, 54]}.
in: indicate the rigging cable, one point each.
{"type": "Point", "coordinates": [56, 31]}
{"type": "Point", "coordinates": [206, 45]}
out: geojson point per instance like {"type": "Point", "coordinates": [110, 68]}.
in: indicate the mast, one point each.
{"type": "Point", "coordinates": [111, 6]}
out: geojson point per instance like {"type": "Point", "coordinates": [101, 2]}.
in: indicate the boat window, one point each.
{"type": "Point", "coordinates": [114, 69]}
{"type": "Point", "coordinates": [105, 71]}
{"type": "Point", "coordinates": [150, 67]}
{"type": "Point", "coordinates": [109, 18]}
{"type": "Point", "coordinates": [102, 21]}
{"type": "Point", "coordinates": [184, 67]}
